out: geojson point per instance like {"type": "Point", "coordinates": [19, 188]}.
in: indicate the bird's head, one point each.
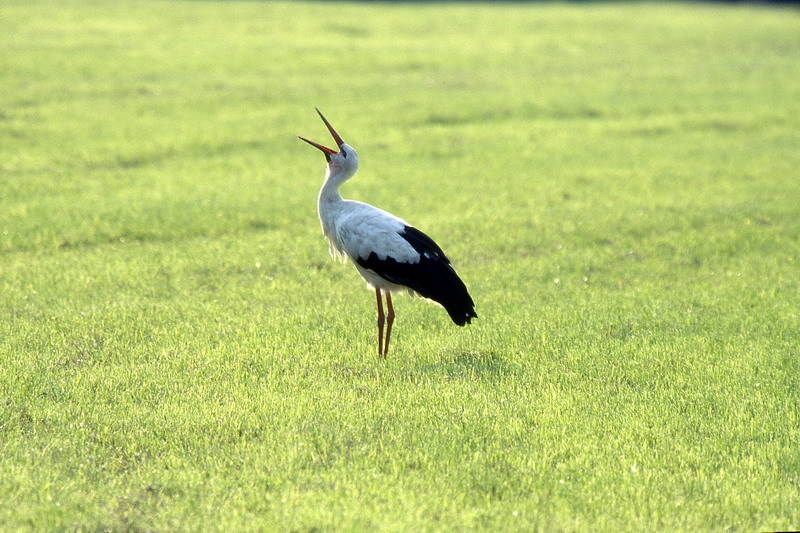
{"type": "Point", "coordinates": [345, 161]}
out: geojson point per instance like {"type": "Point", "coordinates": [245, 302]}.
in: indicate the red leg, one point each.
{"type": "Point", "coordinates": [390, 321]}
{"type": "Point", "coordinates": [381, 319]}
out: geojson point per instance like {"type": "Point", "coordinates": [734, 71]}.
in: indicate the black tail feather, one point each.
{"type": "Point", "coordinates": [453, 295]}
{"type": "Point", "coordinates": [431, 278]}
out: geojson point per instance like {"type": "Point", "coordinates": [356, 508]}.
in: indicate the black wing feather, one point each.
{"type": "Point", "coordinates": [432, 277]}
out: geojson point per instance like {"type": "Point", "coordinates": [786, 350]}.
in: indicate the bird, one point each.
{"type": "Point", "coordinates": [389, 253]}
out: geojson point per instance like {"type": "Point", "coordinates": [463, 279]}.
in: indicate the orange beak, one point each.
{"type": "Point", "coordinates": [325, 150]}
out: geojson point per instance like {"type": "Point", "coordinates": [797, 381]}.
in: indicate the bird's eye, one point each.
{"type": "Point", "coordinates": [344, 154]}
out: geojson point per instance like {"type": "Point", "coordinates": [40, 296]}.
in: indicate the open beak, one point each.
{"type": "Point", "coordinates": [325, 150]}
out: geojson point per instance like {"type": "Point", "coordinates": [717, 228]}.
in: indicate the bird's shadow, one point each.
{"type": "Point", "coordinates": [460, 363]}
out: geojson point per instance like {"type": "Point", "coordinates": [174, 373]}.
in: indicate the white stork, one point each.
{"type": "Point", "coordinates": [389, 253]}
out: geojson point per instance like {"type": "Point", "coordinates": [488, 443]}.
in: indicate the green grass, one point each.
{"type": "Point", "coordinates": [617, 184]}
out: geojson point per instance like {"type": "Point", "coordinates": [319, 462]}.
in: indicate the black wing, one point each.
{"type": "Point", "coordinates": [432, 277]}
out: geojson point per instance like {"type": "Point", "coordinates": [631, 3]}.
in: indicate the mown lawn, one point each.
{"type": "Point", "coordinates": [617, 184]}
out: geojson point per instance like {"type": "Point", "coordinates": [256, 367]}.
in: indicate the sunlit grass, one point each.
{"type": "Point", "coordinates": [617, 185]}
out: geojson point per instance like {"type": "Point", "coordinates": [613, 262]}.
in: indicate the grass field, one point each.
{"type": "Point", "coordinates": [617, 184]}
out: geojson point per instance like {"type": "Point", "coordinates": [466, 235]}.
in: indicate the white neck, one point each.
{"type": "Point", "coordinates": [335, 176]}
{"type": "Point", "coordinates": [329, 193]}
{"type": "Point", "coordinates": [329, 205]}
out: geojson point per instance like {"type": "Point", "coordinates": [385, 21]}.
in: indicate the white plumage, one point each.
{"type": "Point", "coordinates": [358, 229]}
{"type": "Point", "coordinates": [389, 253]}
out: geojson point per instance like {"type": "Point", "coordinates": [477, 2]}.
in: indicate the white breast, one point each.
{"type": "Point", "coordinates": [355, 229]}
